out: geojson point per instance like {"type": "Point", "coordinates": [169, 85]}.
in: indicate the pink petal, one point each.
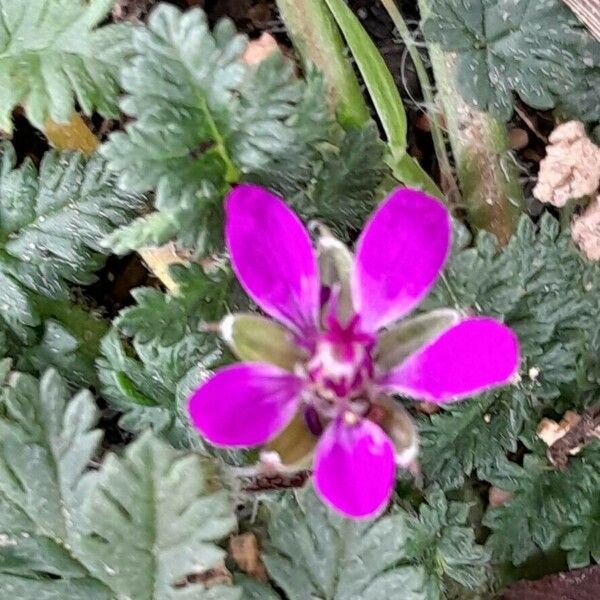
{"type": "Point", "coordinates": [273, 257]}
{"type": "Point", "coordinates": [245, 404]}
{"type": "Point", "coordinates": [399, 256]}
{"type": "Point", "coordinates": [474, 355]}
{"type": "Point", "coordinates": [354, 468]}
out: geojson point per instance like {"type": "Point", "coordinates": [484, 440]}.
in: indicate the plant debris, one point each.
{"type": "Point", "coordinates": [571, 168]}
{"type": "Point", "coordinates": [570, 435]}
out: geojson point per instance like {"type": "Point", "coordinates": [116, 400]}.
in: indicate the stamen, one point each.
{"type": "Point", "coordinates": [350, 418]}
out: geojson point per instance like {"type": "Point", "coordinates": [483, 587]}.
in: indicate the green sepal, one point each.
{"type": "Point", "coordinates": [335, 268]}
{"type": "Point", "coordinates": [258, 339]}
{"type": "Point", "coordinates": [408, 336]}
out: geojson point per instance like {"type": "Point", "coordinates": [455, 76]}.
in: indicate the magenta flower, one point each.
{"type": "Point", "coordinates": [331, 368]}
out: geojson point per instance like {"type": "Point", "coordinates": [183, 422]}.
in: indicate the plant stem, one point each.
{"type": "Point", "coordinates": [439, 143]}
{"type": "Point", "coordinates": [488, 177]}
{"type": "Point", "coordinates": [317, 40]}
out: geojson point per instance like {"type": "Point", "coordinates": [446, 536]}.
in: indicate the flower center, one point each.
{"type": "Point", "coordinates": [341, 366]}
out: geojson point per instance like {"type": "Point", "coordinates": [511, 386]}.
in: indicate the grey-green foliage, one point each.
{"type": "Point", "coordinates": [150, 383]}
{"type": "Point", "coordinates": [151, 522]}
{"type": "Point", "coordinates": [541, 287]}
{"type": "Point", "coordinates": [203, 119]}
{"type": "Point", "coordinates": [312, 552]}
{"type": "Point", "coordinates": [536, 48]}
{"type": "Point", "coordinates": [53, 53]}
{"type": "Point", "coordinates": [138, 527]}
{"type": "Point", "coordinates": [551, 508]}
{"type": "Point", "coordinates": [150, 378]}
{"type": "Point", "coordinates": [202, 295]}
{"type": "Point", "coordinates": [46, 443]}
{"type": "Point", "coordinates": [443, 543]}
{"type": "Point", "coordinates": [51, 226]}
{"type": "Point", "coordinates": [344, 188]}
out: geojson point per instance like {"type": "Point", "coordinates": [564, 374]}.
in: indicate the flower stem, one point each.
{"type": "Point", "coordinates": [488, 177]}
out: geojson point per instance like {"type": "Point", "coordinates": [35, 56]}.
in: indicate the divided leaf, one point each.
{"type": "Point", "coordinates": [550, 508]}
{"type": "Point", "coordinates": [51, 226]}
{"type": "Point", "coordinates": [444, 545]}
{"type": "Point", "coordinates": [169, 355]}
{"type": "Point", "coordinates": [346, 186]}
{"type": "Point", "coordinates": [46, 443]}
{"type": "Point", "coordinates": [313, 552]}
{"type": "Point", "coordinates": [543, 289]}
{"type": "Point", "coordinates": [203, 120]}
{"type": "Point", "coordinates": [151, 385]}
{"type": "Point", "coordinates": [536, 48]}
{"type": "Point", "coordinates": [143, 526]}
{"type": "Point", "coordinates": [203, 295]}
{"type": "Point", "coordinates": [54, 54]}
{"type": "Point", "coordinates": [152, 523]}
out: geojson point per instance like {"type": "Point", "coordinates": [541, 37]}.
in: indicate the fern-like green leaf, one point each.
{"type": "Point", "coordinates": [443, 543]}
{"type": "Point", "coordinates": [203, 119]}
{"type": "Point", "coordinates": [346, 181]}
{"type": "Point", "coordinates": [313, 552]}
{"type": "Point", "coordinates": [151, 383]}
{"type": "Point", "coordinates": [51, 226]}
{"type": "Point", "coordinates": [152, 522]}
{"type": "Point", "coordinates": [549, 507]}
{"type": "Point", "coordinates": [536, 48]}
{"type": "Point", "coordinates": [203, 295]}
{"type": "Point", "coordinates": [170, 355]}
{"type": "Point", "coordinates": [141, 527]}
{"type": "Point", "coordinates": [547, 293]}
{"type": "Point", "coordinates": [46, 443]}
{"type": "Point", "coordinates": [53, 53]}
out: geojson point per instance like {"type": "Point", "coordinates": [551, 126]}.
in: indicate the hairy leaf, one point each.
{"type": "Point", "coordinates": [315, 553]}
{"type": "Point", "coordinates": [46, 443]}
{"type": "Point", "coordinates": [150, 383]}
{"type": "Point", "coordinates": [345, 188]}
{"type": "Point", "coordinates": [549, 506]}
{"type": "Point", "coordinates": [143, 526]}
{"type": "Point", "coordinates": [51, 225]}
{"type": "Point", "coordinates": [203, 295]}
{"type": "Point", "coordinates": [169, 354]}
{"type": "Point", "coordinates": [540, 286]}
{"type": "Point", "coordinates": [152, 522]}
{"type": "Point", "coordinates": [443, 543]}
{"type": "Point", "coordinates": [536, 48]}
{"type": "Point", "coordinates": [203, 119]}
{"type": "Point", "coordinates": [54, 54]}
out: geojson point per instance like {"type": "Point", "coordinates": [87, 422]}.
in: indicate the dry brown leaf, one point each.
{"type": "Point", "coordinates": [550, 431]}
{"type": "Point", "coordinates": [571, 168]}
{"type": "Point", "coordinates": [258, 50]}
{"type": "Point", "coordinates": [570, 435]}
{"type": "Point", "coordinates": [246, 554]}
{"type": "Point", "coordinates": [585, 230]}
